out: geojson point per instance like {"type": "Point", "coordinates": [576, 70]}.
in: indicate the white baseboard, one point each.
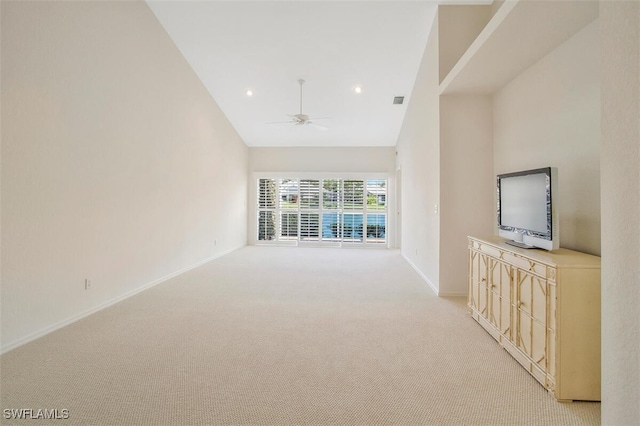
{"type": "Point", "coordinates": [423, 276]}
{"type": "Point", "coordinates": [455, 294]}
{"type": "Point", "coordinates": [431, 285]}
{"type": "Point", "coordinates": [83, 314]}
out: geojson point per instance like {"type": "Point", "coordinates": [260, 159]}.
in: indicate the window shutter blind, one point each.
{"type": "Point", "coordinates": [327, 210]}
{"type": "Point", "coordinates": [266, 225]}
{"type": "Point", "coordinates": [376, 227]}
{"type": "Point", "coordinates": [266, 209]}
{"type": "Point", "coordinates": [266, 193]}
{"type": "Point", "coordinates": [309, 226]}
{"type": "Point", "coordinates": [288, 189]}
{"type": "Point", "coordinates": [309, 205]}
{"type": "Point", "coordinates": [332, 194]}
{"type": "Point", "coordinates": [331, 226]}
{"type": "Point", "coordinates": [352, 227]}
{"type": "Point", "coordinates": [353, 195]}
{"type": "Point", "coordinates": [376, 194]}
{"type": "Point", "coordinates": [309, 194]}
{"type": "Point", "coordinates": [376, 211]}
{"type": "Point", "coordinates": [289, 225]}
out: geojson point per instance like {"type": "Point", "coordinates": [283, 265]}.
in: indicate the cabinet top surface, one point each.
{"type": "Point", "coordinates": [560, 258]}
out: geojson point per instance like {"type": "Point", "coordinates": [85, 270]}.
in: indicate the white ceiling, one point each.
{"type": "Point", "coordinates": [266, 46]}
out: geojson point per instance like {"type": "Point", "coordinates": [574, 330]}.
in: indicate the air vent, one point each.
{"type": "Point", "coordinates": [398, 100]}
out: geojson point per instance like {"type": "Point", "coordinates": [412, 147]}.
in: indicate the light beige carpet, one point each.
{"type": "Point", "coordinates": [282, 336]}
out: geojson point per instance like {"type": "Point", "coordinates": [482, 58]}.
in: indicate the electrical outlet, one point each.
{"type": "Point", "coordinates": [87, 284]}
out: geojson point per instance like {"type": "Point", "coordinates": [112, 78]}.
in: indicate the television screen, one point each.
{"type": "Point", "coordinates": [524, 202]}
{"type": "Point", "coordinates": [527, 208]}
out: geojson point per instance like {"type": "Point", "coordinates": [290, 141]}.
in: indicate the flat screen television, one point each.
{"type": "Point", "coordinates": [528, 208]}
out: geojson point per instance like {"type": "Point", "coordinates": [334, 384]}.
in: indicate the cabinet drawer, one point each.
{"type": "Point", "coordinates": [515, 259]}
{"type": "Point", "coordinates": [526, 264]}
{"type": "Point", "coordinates": [487, 249]}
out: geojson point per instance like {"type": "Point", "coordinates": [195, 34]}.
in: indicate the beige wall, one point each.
{"type": "Point", "coordinates": [466, 151]}
{"type": "Point", "coordinates": [579, 106]}
{"type": "Point", "coordinates": [546, 116]}
{"type": "Point", "coordinates": [620, 184]}
{"type": "Point", "coordinates": [466, 183]}
{"type": "Point", "coordinates": [319, 162]}
{"type": "Point", "coordinates": [550, 116]}
{"type": "Point", "coordinates": [419, 161]}
{"type": "Point", "coordinates": [322, 160]}
{"type": "Point", "coordinates": [459, 25]}
{"type": "Point", "coordinates": [116, 163]}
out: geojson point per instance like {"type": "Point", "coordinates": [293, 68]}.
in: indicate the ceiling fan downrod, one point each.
{"type": "Point", "coordinates": [301, 82]}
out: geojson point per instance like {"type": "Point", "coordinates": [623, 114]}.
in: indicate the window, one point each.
{"type": "Point", "coordinates": [309, 194]}
{"type": "Point", "coordinates": [288, 225]}
{"type": "Point", "coordinates": [288, 208]}
{"type": "Point", "coordinates": [352, 229]}
{"type": "Point", "coordinates": [266, 209]}
{"type": "Point", "coordinates": [322, 210]}
{"type": "Point", "coordinates": [309, 226]}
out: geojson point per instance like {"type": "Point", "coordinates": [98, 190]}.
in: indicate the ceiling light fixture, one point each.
{"type": "Point", "coordinates": [249, 92]}
{"type": "Point", "coordinates": [358, 89]}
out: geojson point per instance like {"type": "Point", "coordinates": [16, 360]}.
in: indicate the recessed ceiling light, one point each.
{"type": "Point", "coordinates": [249, 92]}
{"type": "Point", "coordinates": [357, 89]}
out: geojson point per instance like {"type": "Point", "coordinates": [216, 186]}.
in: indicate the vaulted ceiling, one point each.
{"type": "Point", "coordinates": [335, 46]}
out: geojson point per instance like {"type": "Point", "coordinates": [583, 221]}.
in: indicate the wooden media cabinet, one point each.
{"type": "Point", "coordinates": [543, 307]}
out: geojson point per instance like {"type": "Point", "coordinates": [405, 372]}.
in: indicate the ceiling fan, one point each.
{"type": "Point", "coordinates": [301, 119]}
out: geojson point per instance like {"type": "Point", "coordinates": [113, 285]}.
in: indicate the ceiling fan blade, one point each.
{"type": "Point", "coordinates": [279, 122]}
{"type": "Point", "coordinates": [318, 126]}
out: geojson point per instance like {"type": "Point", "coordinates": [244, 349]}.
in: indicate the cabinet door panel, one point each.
{"type": "Point", "coordinates": [500, 286]}
{"type": "Point", "coordinates": [505, 318]}
{"type": "Point", "coordinates": [494, 309]}
{"type": "Point", "coordinates": [473, 279]}
{"type": "Point", "coordinates": [501, 279]}
{"type": "Point", "coordinates": [539, 344]}
{"type": "Point", "coordinates": [532, 317]}
{"type": "Point", "coordinates": [532, 295]}
{"type": "Point", "coordinates": [531, 339]}
{"type": "Point", "coordinates": [500, 314]}
{"type": "Point", "coordinates": [478, 299]}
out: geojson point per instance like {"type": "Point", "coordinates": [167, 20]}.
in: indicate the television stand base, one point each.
{"type": "Point", "coordinates": [519, 244]}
